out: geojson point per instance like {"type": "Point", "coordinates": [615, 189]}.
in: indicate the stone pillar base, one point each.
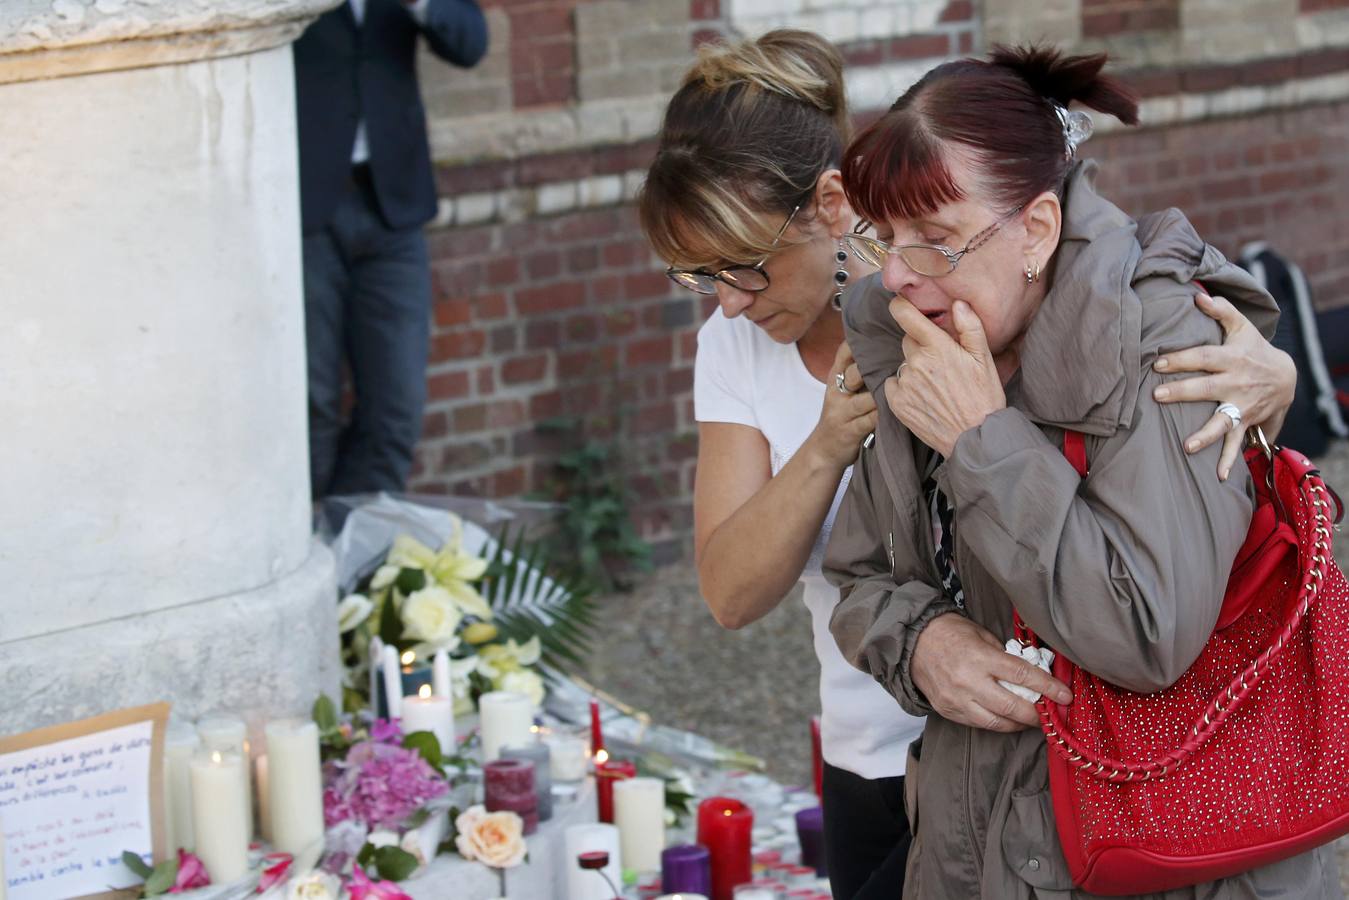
{"type": "Point", "coordinates": [262, 653]}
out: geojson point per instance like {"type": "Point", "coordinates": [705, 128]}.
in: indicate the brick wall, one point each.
{"type": "Point", "coordinates": [549, 304]}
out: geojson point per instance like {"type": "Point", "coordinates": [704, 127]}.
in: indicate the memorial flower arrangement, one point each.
{"type": "Point", "coordinates": [501, 618]}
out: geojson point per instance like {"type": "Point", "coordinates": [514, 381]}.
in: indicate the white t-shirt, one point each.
{"type": "Point", "coordinates": [743, 376]}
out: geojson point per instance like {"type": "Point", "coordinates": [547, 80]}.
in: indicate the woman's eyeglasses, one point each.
{"type": "Point", "coordinates": [751, 279]}
{"type": "Point", "coordinates": [931, 260]}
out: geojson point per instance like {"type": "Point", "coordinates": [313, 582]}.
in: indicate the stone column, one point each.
{"type": "Point", "coordinates": [154, 516]}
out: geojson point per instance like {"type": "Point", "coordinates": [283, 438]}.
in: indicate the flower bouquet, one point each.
{"type": "Point", "coordinates": [500, 608]}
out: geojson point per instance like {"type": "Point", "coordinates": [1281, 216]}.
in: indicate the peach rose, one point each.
{"type": "Point", "coordinates": [494, 839]}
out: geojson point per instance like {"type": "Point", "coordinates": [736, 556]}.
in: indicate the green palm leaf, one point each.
{"type": "Point", "coordinates": [531, 595]}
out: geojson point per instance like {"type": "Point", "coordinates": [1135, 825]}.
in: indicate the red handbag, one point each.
{"type": "Point", "coordinates": [1245, 760]}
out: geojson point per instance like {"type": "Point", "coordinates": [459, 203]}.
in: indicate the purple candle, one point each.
{"type": "Point", "coordinates": [509, 787]}
{"type": "Point", "coordinates": [686, 869]}
{"type": "Point", "coordinates": [810, 831]}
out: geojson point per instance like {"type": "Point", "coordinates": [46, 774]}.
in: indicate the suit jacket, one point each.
{"type": "Point", "coordinates": [345, 72]}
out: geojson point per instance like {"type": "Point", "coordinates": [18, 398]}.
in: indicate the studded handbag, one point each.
{"type": "Point", "coordinates": [1243, 761]}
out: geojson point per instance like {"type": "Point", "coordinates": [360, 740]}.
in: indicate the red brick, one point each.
{"type": "Point", "coordinates": [918, 46]}
{"type": "Point", "coordinates": [620, 323]}
{"type": "Point", "coordinates": [957, 11]}
{"type": "Point", "coordinates": [553, 298]}
{"type": "Point", "coordinates": [543, 265]}
{"type": "Point", "coordinates": [582, 329]}
{"type": "Point", "coordinates": [583, 259]}
{"type": "Point", "coordinates": [490, 306]}
{"type": "Point", "coordinates": [624, 254]}
{"type": "Point", "coordinates": [647, 284]}
{"type": "Point", "coordinates": [459, 344]}
{"type": "Point", "coordinates": [448, 385]}
{"type": "Point", "coordinates": [704, 36]}
{"type": "Point", "coordinates": [502, 272]}
{"type": "Point", "coordinates": [545, 406]}
{"type": "Point", "coordinates": [704, 9]}
{"type": "Point", "coordinates": [453, 312]}
{"type": "Point", "coordinates": [487, 381]}
{"type": "Point", "coordinates": [649, 352]}
{"type": "Point", "coordinates": [542, 335]}
{"type": "Point", "coordinates": [522, 369]}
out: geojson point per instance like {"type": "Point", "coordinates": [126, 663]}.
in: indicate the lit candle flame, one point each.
{"type": "Point", "coordinates": [216, 757]}
{"type": "Point", "coordinates": [409, 657]}
{"type": "Point", "coordinates": [424, 691]}
{"type": "Point", "coordinates": [601, 757]}
{"type": "Point", "coordinates": [725, 812]}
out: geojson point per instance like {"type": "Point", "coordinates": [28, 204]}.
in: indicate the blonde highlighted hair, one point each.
{"type": "Point", "coordinates": [744, 140]}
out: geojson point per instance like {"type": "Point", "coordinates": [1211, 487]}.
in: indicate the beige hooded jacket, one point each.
{"type": "Point", "coordinates": [1124, 571]}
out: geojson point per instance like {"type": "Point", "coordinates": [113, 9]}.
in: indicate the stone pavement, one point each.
{"type": "Point", "coordinates": [753, 689]}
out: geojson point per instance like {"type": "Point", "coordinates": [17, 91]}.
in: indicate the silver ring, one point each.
{"type": "Point", "coordinates": [841, 384]}
{"type": "Point", "coordinates": [1233, 412]}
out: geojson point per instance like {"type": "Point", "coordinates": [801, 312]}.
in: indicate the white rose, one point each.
{"type": "Point", "coordinates": [382, 838]}
{"type": "Point", "coordinates": [527, 683]}
{"type": "Point", "coordinates": [495, 839]}
{"type": "Point", "coordinates": [314, 886]}
{"type": "Point", "coordinates": [384, 576]}
{"type": "Point", "coordinates": [430, 615]}
{"type": "Point", "coordinates": [352, 611]}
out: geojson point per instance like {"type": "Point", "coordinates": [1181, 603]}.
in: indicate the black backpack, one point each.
{"type": "Point", "coordinates": [1315, 416]}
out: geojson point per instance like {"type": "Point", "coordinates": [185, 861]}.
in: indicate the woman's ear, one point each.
{"type": "Point", "coordinates": [831, 204]}
{"type": "Point", "coordinates": [1043, 218]}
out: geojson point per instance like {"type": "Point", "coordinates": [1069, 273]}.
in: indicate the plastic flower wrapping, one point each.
{"type": "Point", "coordinates": [422, 580]}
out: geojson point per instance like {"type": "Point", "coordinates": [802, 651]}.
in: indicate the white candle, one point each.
{"type": "Point", "coordinates": [754, 892]}
{"type": "Point", "coordinates": [433, 713]}
{"type": "Point", "coordinates": [180, 744]}
{"type": "Point", "coordinates": [229, 734]}
{"type": "Point", "coordinates": [586, 884]}
{"type": "Point", "coordinates": [219, 816]}
{"type": "Point", "coordinates": [639, 814]}
{"type": "Point", "coordinates": [260, 774]}
{"type": "Point", "coordinates": [440, 674]}
{"type": "Point", "coordinates": [570, 757]}
{"type": "Point", "coordinates": [393, 682]}
{"type": "Point", "coordinates": [507, 719]}
{"type": "Point", "coordinates": [295, 783]}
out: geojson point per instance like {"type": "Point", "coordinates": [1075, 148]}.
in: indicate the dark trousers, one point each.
{"type": "Point", "coordinates": [866, 835]}
{"type": "Point", "coordinates": [367, 298]}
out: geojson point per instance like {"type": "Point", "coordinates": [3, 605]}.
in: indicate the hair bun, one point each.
{"type": "Point", "coordinates": [795, 64]}
{"type": "Point", "coordinates": [1069, 79]}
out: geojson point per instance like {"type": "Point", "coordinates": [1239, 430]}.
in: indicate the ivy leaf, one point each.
{"type": "Point", "coordinates": [425, 743]}
{"type": "Point", "coordinates": [390, 623]}
{"type": "Point", "coordinates": [162, 878]}
{"type": "Point", "coordinates": [363, 858]}
{"type": "Point", "coordinates": [325, 714]}
{"type": "Point", "coordinates": [394, 863]}
{"type": "Point", "coordinates": [133, 862]}
{"type": "Point", "coordinates": [410, 581]}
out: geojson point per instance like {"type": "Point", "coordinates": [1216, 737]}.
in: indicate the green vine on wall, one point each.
{"type": "Point", "coordinates": [596, 528]}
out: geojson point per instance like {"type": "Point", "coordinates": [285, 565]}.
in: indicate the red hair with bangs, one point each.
{"type": "Point", "coordinates": [1001, 110]}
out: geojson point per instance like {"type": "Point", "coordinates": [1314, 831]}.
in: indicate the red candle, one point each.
{"type": "Point", "coordinates": [817, 757]}
{"type": "Point", "coordinates": [596, 733]}
{"type": "Point", "coordinates": [606, 773]}
{"type": "Point", "coordinates": [724, 827]}
{"type": "Point", "coordinates": [508, 785]}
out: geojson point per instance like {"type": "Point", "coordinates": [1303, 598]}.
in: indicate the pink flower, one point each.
{"type": "Point", "coordinates": [362, 888]}
{"type": "Point", "coordinates": [275, 868]}
{"type": "Point", "coordinates": [385, 731]}
{"type": "Point", "coordinates": [191, 873]}
{"type": "Point", "coordinates": [379, 785]}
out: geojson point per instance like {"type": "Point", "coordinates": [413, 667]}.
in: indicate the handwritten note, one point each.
{"type": "Point", "coordinates": [69, 807]}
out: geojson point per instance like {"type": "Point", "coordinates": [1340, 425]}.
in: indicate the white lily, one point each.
{"type": "Point", "coordinates": [352, 611]}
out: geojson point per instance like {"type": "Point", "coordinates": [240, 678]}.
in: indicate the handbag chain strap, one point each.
{"type": "Point", "coordinates": [1315, 549]}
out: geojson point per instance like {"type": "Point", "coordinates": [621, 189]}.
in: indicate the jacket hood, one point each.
{"type": "Point", "coordinates": [1114, 304]}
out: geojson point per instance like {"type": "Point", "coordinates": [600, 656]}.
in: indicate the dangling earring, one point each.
{"type": "Point", "coordinates": [840, 275]}
{"type": "Point", "coordinates": [1032, 275]}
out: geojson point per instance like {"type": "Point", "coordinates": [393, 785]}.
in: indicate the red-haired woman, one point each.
{"type": "Point", "coordinates": [1015, 302]}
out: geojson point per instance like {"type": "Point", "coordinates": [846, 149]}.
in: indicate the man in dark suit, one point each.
{"type": "Point", "coordinates": [366, 190]}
